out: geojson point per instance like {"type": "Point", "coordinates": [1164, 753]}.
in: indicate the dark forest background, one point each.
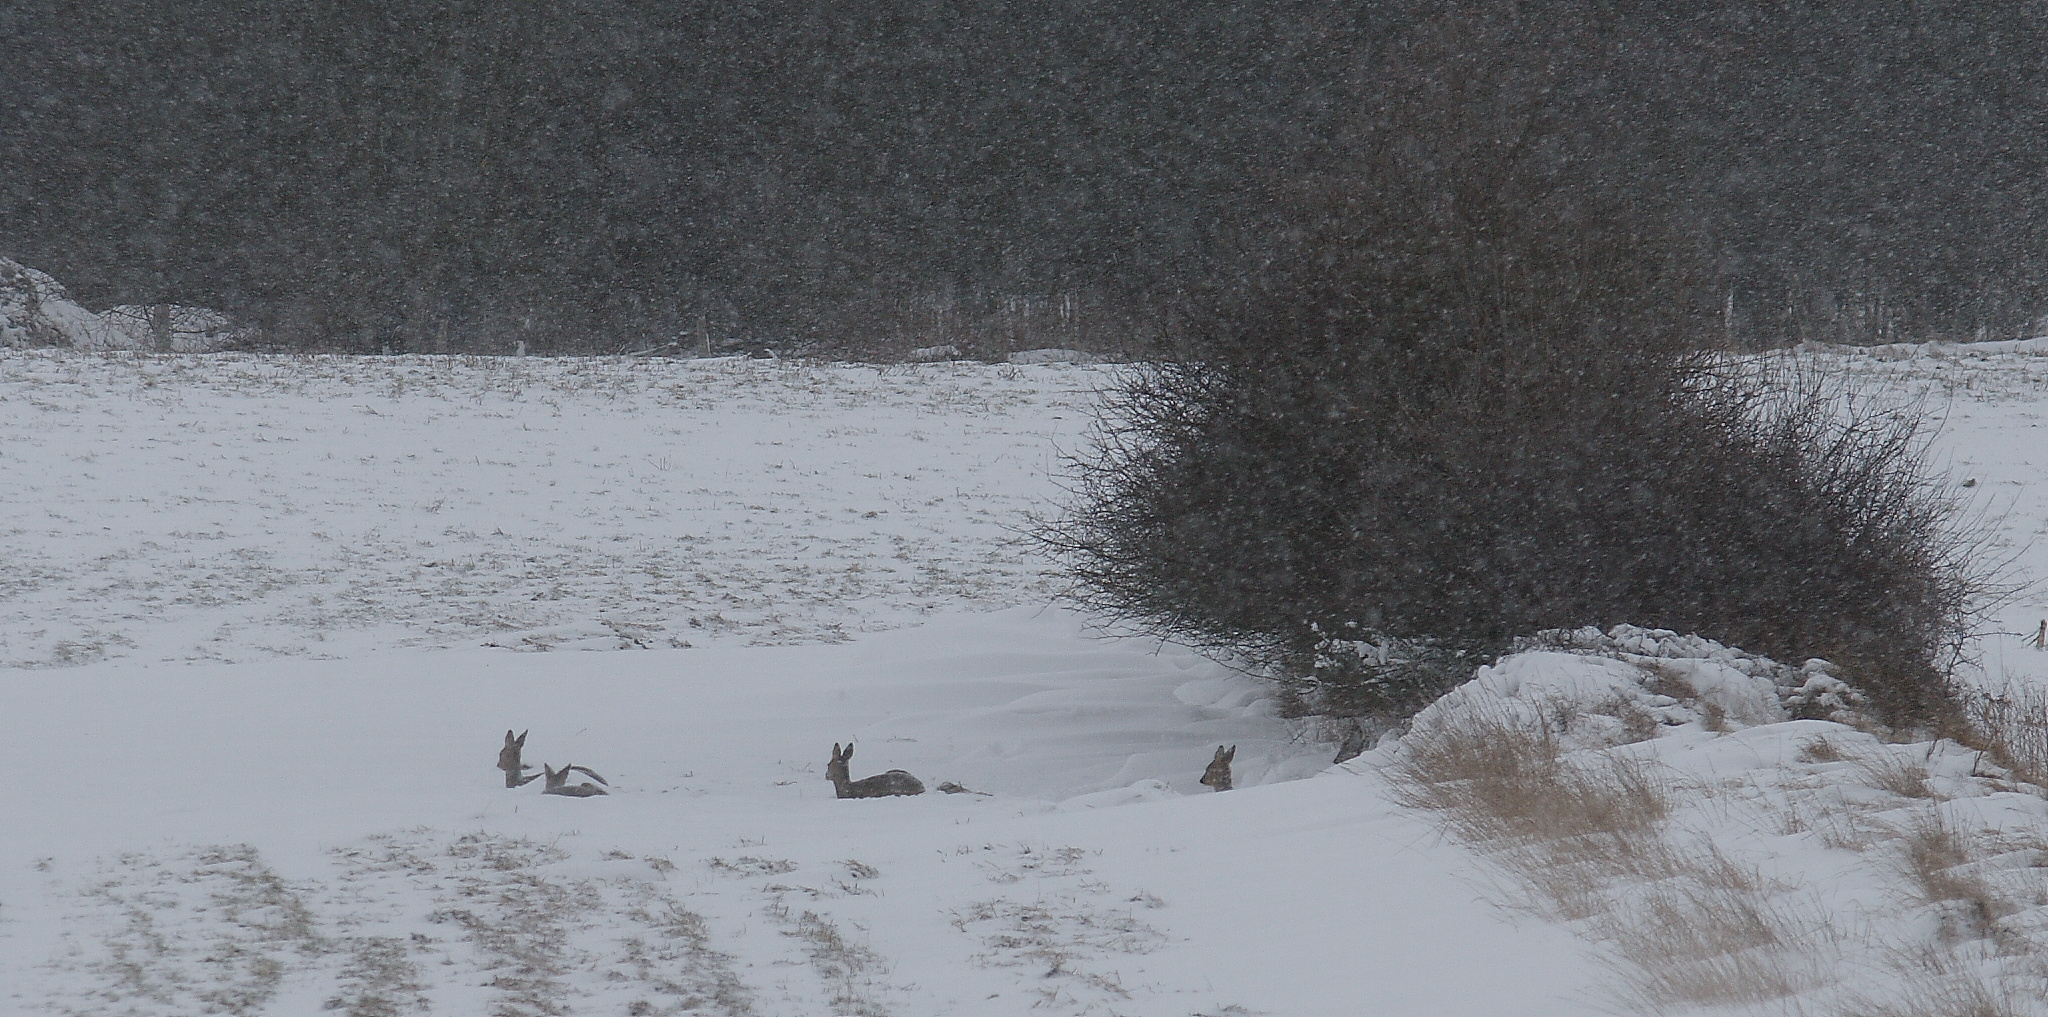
{"type": "Point", "coordinates": [862, 179]}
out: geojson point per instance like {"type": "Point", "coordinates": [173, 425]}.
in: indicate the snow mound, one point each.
{"type": "Point", "coordinates": [1683, 804]}
{"type": "Point", "coordinates": [1029, 357]}
{"type": "Point", "coordinates": [1149, 790]}
{"type": "Point", "coordinates": [35, 310]}
{"type": "Point", "coordinates": [1595, 689]}
{"type": "Point", "coordinates": [2036, 346]}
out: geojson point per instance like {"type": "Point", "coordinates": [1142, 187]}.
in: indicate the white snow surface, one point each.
{"type": "Point", "coordinates": [264, 622]}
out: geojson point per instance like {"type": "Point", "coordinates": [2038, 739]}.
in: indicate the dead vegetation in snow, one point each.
{"type": "Point", "coordinates": [1681, 881]}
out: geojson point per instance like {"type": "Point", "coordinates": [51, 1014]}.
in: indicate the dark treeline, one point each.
{"type": "Point", "coordinates": [864, 179]}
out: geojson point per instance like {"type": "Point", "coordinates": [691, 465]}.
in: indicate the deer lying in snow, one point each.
{"type": "Point", "coordinates": [558, 782]}
{"type": "Point", "coordinates": [1218, 773]}
{"type": "Point", "coordinates": [881, 785]}
{"type": "Point", "coordinates": [508, 761]}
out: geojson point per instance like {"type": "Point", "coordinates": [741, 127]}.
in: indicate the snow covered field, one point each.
{"type": "Point", "coordinates": [265, 620]}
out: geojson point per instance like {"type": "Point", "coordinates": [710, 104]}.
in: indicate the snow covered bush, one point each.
{"type": "Point", "coordinates": [1465, 402]}
{"type": "Point", "coordinates": [35, 310]}
{"type": "Point", "coordinates": [185, 329]}
{"type": "Point", "coordinates": [1334, 465]}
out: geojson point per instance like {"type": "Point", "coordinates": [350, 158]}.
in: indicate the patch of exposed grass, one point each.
{"type": "Point", "coordinates": [2011, 727]}
{"type": "Point", "coordinates": [1713, 935]}
{"type": "Point", "coordinates": [748, 865]}
{"type": "Point", "coordinates": [850, 971]}
{"type": "Point", "coordinates": [380, 979]}
{"type": "Point", "coordinates": [678, 963]}
{"type": "Point", "coordinates": [1889, 771]}
{"type": "Point", "coordinates": [1948, 982]}
{"type": "Point", "coordinates": [216, 931]}
{"type": "Point", "coordinates": [1586, 839]}
{"type": "Point", "coordinates": [1495, 782]}
{"type": "Point", "coordinates": [1821, 749]}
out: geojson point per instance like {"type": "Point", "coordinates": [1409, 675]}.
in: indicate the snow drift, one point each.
{"type": "Point", "coordinates": [36, 310]}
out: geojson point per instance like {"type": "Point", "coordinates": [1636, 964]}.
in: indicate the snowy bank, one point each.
{"type": "Point", "coordinates": [1649, 791]}
{"type": "Point", "coordinates": [36, 310]}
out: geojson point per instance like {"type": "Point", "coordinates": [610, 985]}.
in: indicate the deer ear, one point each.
{"type": "Point", "coordinates": [508, 737]}
{"type": "Point", "coordinates": [521, 743]}
{"type": "Point", "coordinates": [1232, 754]}
{"type": "Point", "coordinates": [848, 758]}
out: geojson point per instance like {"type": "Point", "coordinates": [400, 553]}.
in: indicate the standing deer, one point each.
{"type": "Point", "coordinates": [1218, 773]}
{"type": "Point", "coordinates": [881, 785]}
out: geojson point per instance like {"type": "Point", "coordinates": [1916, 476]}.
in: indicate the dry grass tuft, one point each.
{"type": "Point", "coordinates": [2011, 727]}
{"type": "Point", "coordinates": [850, 971]}
{"type": "Point", "coordinates": [1587, 842]}
{"type": "Point", "coordinates": [1821, 750]}
{"type": "Point", "coordinates": [1496, 783]}
{"type": "Point", "coordinates": [1711, 937]}
{"type": "Point", "coordinates": [1887, 771]}
{"type": "Point", "coordinates": [1714, 717]}
{"type": "Point", "coordinates": [1933, 850]}
{"type": "Point", "coordinates": [1944, 982]}
{"type": "Point", "coordinates": [1937, 860]}
{"type": "Point", "coordinates": [1837, 824]}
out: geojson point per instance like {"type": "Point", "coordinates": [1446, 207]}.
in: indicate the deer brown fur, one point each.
{"type": "Point", "coordinates": [881, 785]}
{"type": "Point", "coordinates": [558, 782]}
{"type": "Point", "coordinates": [1218, 773]}
{"type": "Point", "coordinates": [508, 761]}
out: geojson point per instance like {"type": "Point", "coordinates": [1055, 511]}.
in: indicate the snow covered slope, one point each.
{"type": "Point", "coordinates": [239, 508]}
{"type": "Point", "coordinates": [266, 621]}
{"type": "Point", "coordinates": [256, 831]}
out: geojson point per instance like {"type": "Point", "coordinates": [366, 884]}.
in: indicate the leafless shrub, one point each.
{"type": "Point", "coordinates": [1387, 442]}
{"type": "Point", "coordinates": [2011, 726]}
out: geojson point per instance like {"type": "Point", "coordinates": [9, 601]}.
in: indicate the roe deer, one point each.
{"type": "Point", "coordinates": [558, 782]}
{"type": "Point", "coordinates": [881, 785]}
{"type": "Point", "coordinates": [1218, 773]}
{"type": "Point", "coordinates": [508, 761]}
